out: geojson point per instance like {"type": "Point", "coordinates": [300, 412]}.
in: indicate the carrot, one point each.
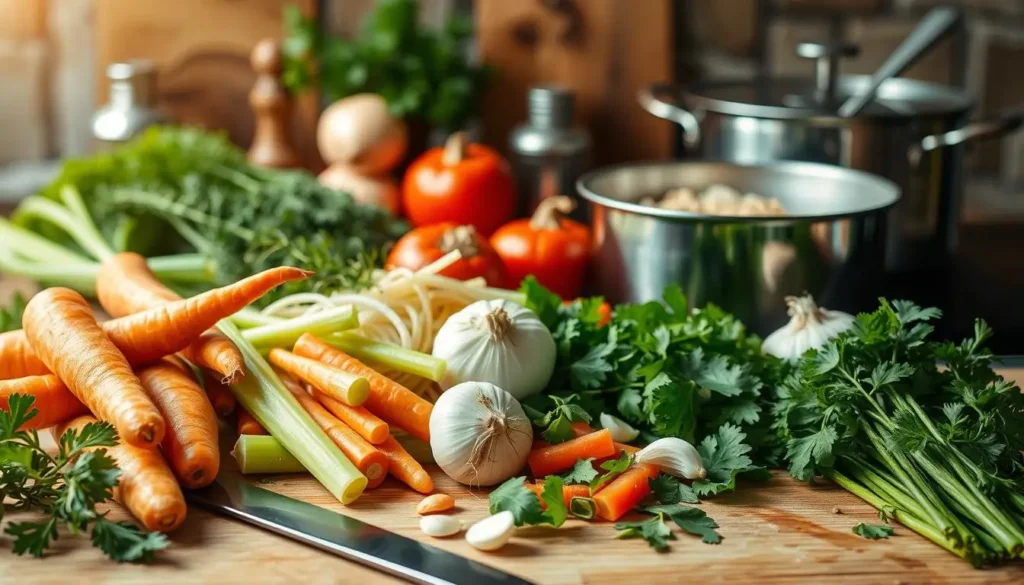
{"type": "Point", "coordinates": [66, 337]}
{"type": "Point", "coordinates": [220, 396]}
{"type": "Point", "coordinates": [568, 492]}
{"type": "Point", "coordinates": [340, 385]}
{"type": "Point", "coordinates": [247, 423]}
{"type": "Point", "coordinates": [404, 468]}
{"type": "Point", "coordinates": [370, 462]}
{"type": "Point", "coordinates": [190, 444]}
{"type": "Point", "coordinates": [155, 333]}
{"type": "Point", "coordinates": [125, 285]}
{"type": "Point", "coordinates": [54, 401]}
{"type": "Point", "coordinates": [624, 492]}
{"type": "Point", "coordinates": [388, 399]}
{"type": "Point", "coordinates": [560, 457]}
{"type": "Point", "coordinates": [362, 421]}
{"type": "Point", "coordinates": [146, 485]}
{"type": "Point", "coordinates": [582, 428]}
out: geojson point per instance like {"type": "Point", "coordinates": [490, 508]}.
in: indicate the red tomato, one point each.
{"type": "Point", "coordinates": [466, 184]}
{"type": "Point", "coordinates": [424, 245]}
{"type": "Point", "coordinates": [555, 250]}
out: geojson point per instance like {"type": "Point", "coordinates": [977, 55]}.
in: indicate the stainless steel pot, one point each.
{"type": "Point", "coordinates": [912, 134]}
{"type": "Point", "coordinates": [830, 243]}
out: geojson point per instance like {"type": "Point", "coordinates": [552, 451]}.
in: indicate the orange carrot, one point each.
{"type": "Point", "coordinates": [370, 462]}
{"type": "Point", "coordinates": [190, 443]}
{"type": "Point", "coordinates": [155, 333]}
{"type": "Point", "coordinates": [220, 396]}
{"type": "Point", "coordinates": [125, 285]}
{"type": "Point", "coordinates": [358, 418]}
{"type": "Point", "coordinates": [64, 334]}
{"type": "Point", "coordinates": [582, 428]}
{"type": "Point", "coordinates": [558, 458]}
{"type": "Point", "coordinates": [404, 468]}
{"type": "Point", "coordinates": [146, 486]}
{"type": "Point", "coordinates": [54, 401]}
{"type": "Point", "coordinates": [247, 423]}
{"type": "Point", "coordinates": [388, 399]}
{"type": "Point", "coordinates": [340, 385]}
{"type": "Point", "coordinates": [624, 492]}
{"type": "Point", "coordinates": [568, 492]}
{"type": "Point", "coordinates": [435, 504]}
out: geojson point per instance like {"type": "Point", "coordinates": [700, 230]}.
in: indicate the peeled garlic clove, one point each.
{"type": "Point", "coordinates": [675, 457]}
{"type": "Point", "coordinates": [621, 431]}
{"type": "Point", "coordinates": [440, 526]}
{"type": "Point", "coordinates": [492, 532]}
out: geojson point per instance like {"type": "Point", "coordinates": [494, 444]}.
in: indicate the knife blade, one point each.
{"type": "Point", "coordinates": [345, 537]}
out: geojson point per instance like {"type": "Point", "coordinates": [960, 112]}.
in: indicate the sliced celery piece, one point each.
{"type": "Point", "coordinates": [286, 332]}
{"type": "Point", "coordinates": [264, 454]}
{"type": "Point", "coordinates": [390, 355]}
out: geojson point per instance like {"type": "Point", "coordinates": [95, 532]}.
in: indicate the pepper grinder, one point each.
{"type": "Point", "coordinates": [132, 107]}
{"type": "Point", "coordinates": [548, 152]}
{"type": "Point", "coordinates": [272, 106]}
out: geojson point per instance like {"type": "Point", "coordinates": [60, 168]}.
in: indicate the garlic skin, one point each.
{"type": "Point", "coordinates": [479, 434]}
{"type": "Point", "coordinates": [492, 532]}
{"type": "Point", "coordinates": [809, 327]}
{"type": "Point", "coordinates": [499, 342]}
{"type": "Point", "coordinates": [440, 526]}
{"type": "Point", "coordinates": [621, 431]}
{"type": "Point", "coordinates": [673, 456]}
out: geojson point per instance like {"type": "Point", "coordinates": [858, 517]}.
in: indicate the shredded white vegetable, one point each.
{"type": "Point", "coordinates": [404, 307]}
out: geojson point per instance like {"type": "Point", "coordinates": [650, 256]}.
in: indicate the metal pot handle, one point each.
{"type": "Point", "coordinates": [662, 100]}
{"type": "Point", "coordinates": [996, 125]}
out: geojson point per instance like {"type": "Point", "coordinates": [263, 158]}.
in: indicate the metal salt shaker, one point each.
{"type": "Point", "coordinates": [548, 153]}
{"type": "Point", "coordinates": [132, 107]}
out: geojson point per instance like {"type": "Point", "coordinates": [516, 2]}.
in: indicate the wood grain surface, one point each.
{"type": "Point", "coordinates": [780, 531]}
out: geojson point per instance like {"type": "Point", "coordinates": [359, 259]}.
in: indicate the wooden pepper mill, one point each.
{"type": "Point", "coordinates": [272, 105]}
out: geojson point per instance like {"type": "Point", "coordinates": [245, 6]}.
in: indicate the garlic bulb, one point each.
{"type": "Point", "coordinates": [621, 431]}
{"type": "Point", "coordinates": [674, 457]}
{"type": "Point", "coordinates": [498, 342]}
{"type": "Point", "coordinates": [810, 327]}
{"type": "Point", "coordinates": [479, 434]}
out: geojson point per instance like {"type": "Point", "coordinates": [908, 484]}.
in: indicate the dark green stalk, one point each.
{"type": "Point", "coordinates": [880, 486]}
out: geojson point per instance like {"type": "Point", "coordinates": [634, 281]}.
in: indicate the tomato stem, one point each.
{"type": "Point", "coordinates": [455, 149]}
{"type": "Point", "coordinates": [550, 211]}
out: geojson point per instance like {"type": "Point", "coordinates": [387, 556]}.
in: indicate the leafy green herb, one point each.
{"type": "Point", "coordinates": [557, 420]}
{"type": "Point", "coordinates": [613, 469]}
{"type": "Point", "coordinates": [669, 490]}
{"type": "Point", "coordinates": [692, 520]}
{"type": "Point", "coordinates": [10, 317]}
{"type": "Point", "coordinates": [583, 472]}
{"type": "Point", "coordinates": [653, 530]}
{"type": "Point", "coordinates": [513, 496]}
{"type": "Point", "coordinates": [872, 531]}
{"type": "Point", "coordinates": [65, 488]}
{"type": "Point", "coordinates": [725, 457]}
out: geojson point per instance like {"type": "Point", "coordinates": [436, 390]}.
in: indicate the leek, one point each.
{"type": "Point", "coordinates": [264, 454]}
{"type": "Point", "coordinates": [266, 398]}
{"type": "Point", "coordinates": [321, 323]}
{"type": "Point", "coordinates": [390, 356]}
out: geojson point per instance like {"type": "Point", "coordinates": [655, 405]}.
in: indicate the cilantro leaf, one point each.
{"type": "Point", "coordinates": [725, 456]}
{"type": "Point", "coordinates": [555, 511]}
{"type": "Point", "coordinates": [513, 496]}
{"type": "Point", "coordinates": [613, 469]}
{"type": "Point", "coordinates": [653, 530]}
{"type": "Point", "coordinates": [582, 472]}
{"type": "Point", "coordinates": [591, 370]}
{"type": "Point", "coordinates": [10, 318]}
{"type": "Point", "coordinates": [670, 405]}
{"type": "Point", "coordinates": [804, 453]}
{"type": "Point", "coordinates": [669, 490]}
{"type": "Point", "coordinates": [125, 542]}
{"type": "Point", "coordinates": [19, 411]}
{"type": "Point", "coordinates": [873, 531]}
{"type": "Point", "coordinates": [557, 422]}
{"type": "Point", "coordinates": [32, 537]}
{"type": "Point", "coordinates": [692, 520]}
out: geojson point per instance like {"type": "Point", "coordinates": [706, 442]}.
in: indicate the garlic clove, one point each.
{"type": "Point", "coordinates": [673, 456]}
{"type": "Point", "coordinates": [492, 532]}
{"type": "Point", "coordinates": [440, 526]}
{"type": "Point", "coordinates": [622, 432]}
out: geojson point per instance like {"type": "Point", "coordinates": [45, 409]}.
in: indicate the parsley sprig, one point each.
{"type": "Point", "coordinates": [65, 488]}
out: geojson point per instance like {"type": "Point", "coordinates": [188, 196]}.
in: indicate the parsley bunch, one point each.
{"type": "Point", "coordinates": [64, 488]}
{"type": "Point", "coordinates": [936, 449]}
{"type": "Point", "coordinates": [668, 370]}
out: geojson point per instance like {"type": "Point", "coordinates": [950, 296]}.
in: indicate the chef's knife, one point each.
{"type": "Point", "coordinates": [343, 536]}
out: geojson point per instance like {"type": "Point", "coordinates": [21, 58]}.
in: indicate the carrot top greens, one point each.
{"type": "Point", "coordinates": [64, 489]}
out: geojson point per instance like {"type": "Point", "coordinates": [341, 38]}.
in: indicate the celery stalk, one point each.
{"type": "Point", "coordinates": [286, 332]}
{"type": "Point", "coordinates": [264, 454]}
{"type": "Point", "coordinates": [191, 268]}
{"type": "Point", "coordinates": [84, 232]}
{"type": "Point", "coordinates": [79, 276]}
{"type": "Point", "coordinates": [390, 355]}
{"type": "Point", "coordinates": [35, 247]}
{"type": "Point", "coordinates": [263, 395]}
{"type": "Point", "coordinates": [250, 317]}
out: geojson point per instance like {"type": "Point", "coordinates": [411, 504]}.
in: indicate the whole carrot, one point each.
{"type": "Point", "coordinates": [146, 485]}
{"type": "Point", "coordinates": [558, 458]}
{"type": "Point", "coordinates": [64, 334]}
{"type": "Point", "coordinates": [190, 443]}
{"type": "Point", "coordinates": [389, 400]}
{"type": "Point", "coordinates": [404, 468]}
{"type": "Point", "coordinates": [351, 389]}
{"type": "Point", "coordinates": [54, 401]}
{"type": "Point", "coordinates": [370, 462]}
{"type": "Point", "coordinates": [357, 418]}
{"type": "Point", "coordinates": [247, 423]}
{"type": "Point", "coordinates": [624, 492]}
{"type": "Point", "coordinates": [125, 285]}
{"type": "Point", "coordinates": [155, 333]}
{"type": "Point", "coordinates": [220, 396]}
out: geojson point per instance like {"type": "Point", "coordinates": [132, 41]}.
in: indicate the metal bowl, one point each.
{"type": "Point", "coordinates": [831, 242]}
